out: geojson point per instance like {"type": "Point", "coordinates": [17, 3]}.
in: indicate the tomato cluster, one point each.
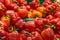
{"type": "Point", "coordinates": [20, 20]}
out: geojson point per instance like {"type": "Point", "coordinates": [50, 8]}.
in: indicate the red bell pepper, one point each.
{"type": "Point", "coordinates": [2, 9]}
{"type": "Point", "coordinates": [3, 35]}
{"type": "Point", "coordinates": [30, 26]}
{"type": "Point", "coordinates": [14, 36]}
{"type": "Point", "coordinates": [48, 34]}
{"type": "Point", "coordinates": [31, 36]}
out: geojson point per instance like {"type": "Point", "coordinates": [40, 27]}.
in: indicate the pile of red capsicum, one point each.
{"type": "Point", "coordinates": [20, 20]}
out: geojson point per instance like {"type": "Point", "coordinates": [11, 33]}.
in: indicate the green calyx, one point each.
{"type": "Point", "coordinates": [44, 25]}
{"type": "Point", "coordinates": [14, 0]}
{"type": "Point", "coordinates": [51, 10]}
{"type": "Point", "coordinates": [57, 38]}
{"type": "Point", "coordinates": [5, 16]}
{"type": "Point", "coordinates": [11, 28]}
{"type": "Point", "coordinates": [31, 35]}
{"type": "Point", "coordinates": [53, 26]}
{"type": "Point", "coordinates": [18, 3]}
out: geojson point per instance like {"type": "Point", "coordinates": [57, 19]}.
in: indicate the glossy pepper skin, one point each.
{"type": "Point", "coordinates": [34, 4]}
{"type": "Point", "coordinates": [13, 36]}
{"type": "Point", "coordinates": [34, 13]}
{"type": "Point", "coordinates": [48, 34]}
{"type": "Point", "coordinates": [40, 9]}
{"type": "Point", "coordinates": [2, 9]}
{"type": "Point", "coordinates": [31, 36]}
{"type": "Point", "coordinates": [37, 36]}
{"type": "Point", "coordinates": [57, 37]}
{"type": "Point", "coordinates": [13, 6]}
{"type": "Point", "coordinates": [30, 26]}
{"type": "Point", "coordinates": [3, 35]}
{"type": "Point", "coordinates": [39, 22]}
{"type": "Point", "coordinates": [6, 19]}
{"type": "Point", "coordinates": [7, 2]}
{"type": "Point", "coordinates": [57, 15]}
{"type": "Point", "coordinates": [13, 15]}
{"type": "Point", "coordinates": [16, 20]}
{"type": "Point", "coordinates": [23, 13]}
{"type": "Point", "coordinates": [4, 26]}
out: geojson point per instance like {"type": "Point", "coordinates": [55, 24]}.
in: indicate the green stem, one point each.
{"type": "Point", "coordinates": [31, 35]}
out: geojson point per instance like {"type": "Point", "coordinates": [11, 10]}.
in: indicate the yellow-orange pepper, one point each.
{"type": "Point", "coordinates": [40, 9]}
{"type": "Point", "coordinates": [34, 13]}
{"type": "Point", "coordinates": [6, 19]}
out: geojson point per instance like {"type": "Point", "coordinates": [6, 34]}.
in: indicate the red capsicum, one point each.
{"type": "Point", "coordinates": [31, 36]}
{"type": "Point", "coordinates": [30, 26]}
{"type": "Point", "coordinates": [57, 37]}
{"type": "Point", "coordinates": [14, 36]}
{"type": "Point", "coordinates": [4, 26]}
{"type": "Point", "coordinates": [2, 9]}
{"type": "Point", "coordinates": [6, 19]}
{"type": "Point", "coordinates": [48, 34]}
{"type": "Point", "coordinates": [3, 35]}
{"type": "Point", "coordinates": [23, 13]}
